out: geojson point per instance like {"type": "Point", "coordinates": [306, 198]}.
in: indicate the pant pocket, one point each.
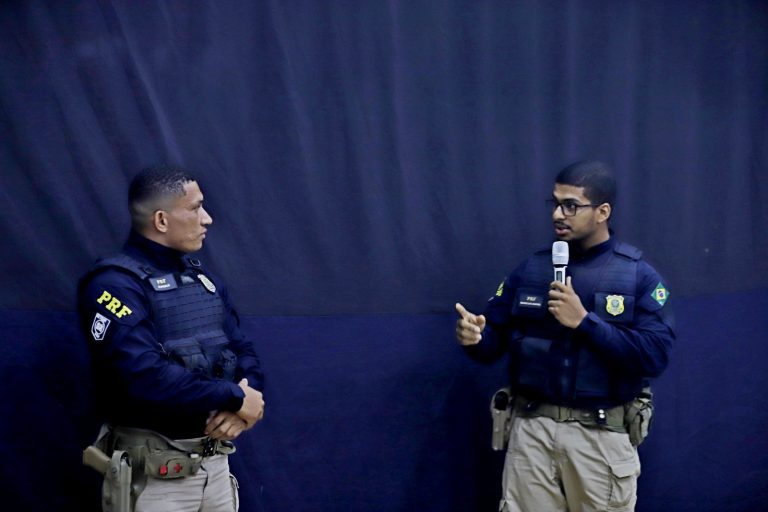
{"type": "Point", "coordinates": [235, 494]}
{"type": "Point", "coordinates": [623, 484]}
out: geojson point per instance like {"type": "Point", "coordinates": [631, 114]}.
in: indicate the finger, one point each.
{"type": "Point", "coordinates": [556, 285]}
{"type": "Point", "coordinates": [214, 423]}
{"type": "Point", "coordinates": [461, 310]}
{"type": "Point", "coordinates": [568, 282]}
{"type": "Point", "coordinates": [481, 321]}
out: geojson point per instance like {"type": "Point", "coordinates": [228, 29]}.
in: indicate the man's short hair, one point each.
{"type": "Point", "coordinates": [150, 190]}
{"type": "Point", "coordinates": [596, 178]}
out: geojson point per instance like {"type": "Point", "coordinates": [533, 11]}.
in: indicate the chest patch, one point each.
{"type": "Point", "coordinates": [163, 283]}
{"type": "Point", "coordinates": [614, 304]}
{"type": "Point", "coordinates": [207, 283]}
{"type": "Point", "coordinates": [530, 300]}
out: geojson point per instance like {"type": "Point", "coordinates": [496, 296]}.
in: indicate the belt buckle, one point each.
{"type": "Point", "coordinates": [210, 447]}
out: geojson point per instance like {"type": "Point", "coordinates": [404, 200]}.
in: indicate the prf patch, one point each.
{"type": "Point", "coordinates": [660, 294]}
{"type": "Point", "coordinates": [114, 304]}
{"type": "Point", "coordinates": [614, 304]}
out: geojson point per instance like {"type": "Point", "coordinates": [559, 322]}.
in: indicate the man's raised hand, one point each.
{"type": "Point", "coordinates": [469, 327]}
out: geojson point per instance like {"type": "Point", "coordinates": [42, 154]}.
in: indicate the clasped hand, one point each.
{"type": "Point", "coordinates": [226, 426]}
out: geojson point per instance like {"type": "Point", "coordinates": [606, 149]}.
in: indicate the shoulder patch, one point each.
{"type": "Point", "coordinates": [113, 305]}
{"type": "Point", "coordinates": [99, 326]}
{"type": "Point", "coordinates": [660, 294]}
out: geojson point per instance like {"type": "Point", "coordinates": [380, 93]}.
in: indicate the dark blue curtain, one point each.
{"type": "Point", "coordinates": [368, 164]}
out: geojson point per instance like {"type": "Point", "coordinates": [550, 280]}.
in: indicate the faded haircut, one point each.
{"type": "Point", "coordinates": [152, 188]}
{"type": "Point", "coordinates": [596, 178]}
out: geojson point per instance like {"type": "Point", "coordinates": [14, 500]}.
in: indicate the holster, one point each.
{"type": "Point", "coordinates": [116, 490]}
{"type": "Point", "coordinates": [502, 413]}
{"type": "Point", "coordinates": [638, 415]}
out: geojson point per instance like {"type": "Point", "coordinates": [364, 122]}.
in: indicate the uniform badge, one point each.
{"type": "Point", "coordinates": [614, 304]}
{"type": "Point", "coordinates": [660, 294]}
{"type": "Point", "coordinates": [99, 327]}
{"type": "Point", "coordinates": [207, 283]}
{"type": "Point", "coordinates": [500, 290]}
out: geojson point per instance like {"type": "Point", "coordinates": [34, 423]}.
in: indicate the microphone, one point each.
{"type": "Point", "coordinates": [560, 259]}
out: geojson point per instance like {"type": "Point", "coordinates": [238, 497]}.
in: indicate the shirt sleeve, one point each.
{"type": "Point", "coordinates": [115, 318]}
{"type": "Point", "coordinates": [642, 346]}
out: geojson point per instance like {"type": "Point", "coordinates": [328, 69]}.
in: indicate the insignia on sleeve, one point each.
{"type": "Point", "coordinates": [207, 283]}
{"type": "Point", "coordinates": [99, 326]}
{"type": "Point", "coordinates": [660, 294]}
{"type": "Point", "coordinates": [500, 290]}
{"type": "Point", "coordinates": [614, 304]}
{"type": "Point", "coordinates": [114, 304]}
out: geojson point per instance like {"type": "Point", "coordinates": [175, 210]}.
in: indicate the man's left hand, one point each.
{"type": "Point", "coordinates": [225, 426]}
{"type": "Point", "coordinates": [565, 305]}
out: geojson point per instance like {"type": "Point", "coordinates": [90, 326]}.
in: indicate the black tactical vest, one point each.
{"type": "Point", "coordinates": [187, 313]}
{"type": "Point", "coordinates": [548, 362]}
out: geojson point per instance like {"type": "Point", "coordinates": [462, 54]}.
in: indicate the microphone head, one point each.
{"type": "Point", "coordinates": [560, 253]}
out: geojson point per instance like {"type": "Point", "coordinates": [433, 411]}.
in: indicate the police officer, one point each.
{"type": "Point", "coordinates": [580, 353]}
{"type": "Point", "coordinates": [176, 379]}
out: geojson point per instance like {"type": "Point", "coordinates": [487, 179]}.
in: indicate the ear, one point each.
{"type": "Point", "coordinates": [160, 221]}
{"type": "Point", "coordinates": [603, 212]}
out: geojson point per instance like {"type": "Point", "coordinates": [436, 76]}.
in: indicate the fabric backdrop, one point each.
{"type": "Point", "coordinates": [367, 165]}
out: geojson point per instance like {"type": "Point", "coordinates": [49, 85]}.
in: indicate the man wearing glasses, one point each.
{"type": "Point", "coordinates": [581, 353]}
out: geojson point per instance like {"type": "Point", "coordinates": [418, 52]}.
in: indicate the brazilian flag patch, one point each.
{"type": "Point", "coordinates": [660, 294]}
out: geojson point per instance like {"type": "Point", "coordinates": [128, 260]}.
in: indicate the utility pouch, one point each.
{"type": "Point", "coordinates": [638, 415]}
{"type": "Point", "coordinates": [502, 409]}
{"type": "Point", "coordinates": [116, 490]}
{"type": "Point", "coordinates": [168, 464]}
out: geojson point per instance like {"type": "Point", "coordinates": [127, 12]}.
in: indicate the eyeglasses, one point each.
{"type": "Point", "coordinates": [569, 208]}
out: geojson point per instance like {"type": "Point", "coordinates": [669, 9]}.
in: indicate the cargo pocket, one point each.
{"type": "Point", "coordinates": [624, 475]}
{"type": "Point", "coordinates": [235, 494]}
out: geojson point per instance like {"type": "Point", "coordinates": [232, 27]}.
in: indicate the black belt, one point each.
{"type": "Point", "coordinates": [610, 418]}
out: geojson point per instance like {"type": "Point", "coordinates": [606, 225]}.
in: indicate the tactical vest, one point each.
{"type": "Point", "coordinates": [548, 360]}
{"type": "Point", "coordinates": [187, 314]}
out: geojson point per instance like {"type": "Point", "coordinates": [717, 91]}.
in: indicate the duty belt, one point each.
{"type": "Point", "coordinates": [610, 419]}
{"type": "Point", "coordinates": [152, 454]}
{"type": "Point", "coordinates": [125, 437]}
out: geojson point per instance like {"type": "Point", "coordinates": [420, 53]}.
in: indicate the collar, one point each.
{"type": "Point", "coordinates": [158, 256]}
{"type": "Point", "coordinates": [592, 252]}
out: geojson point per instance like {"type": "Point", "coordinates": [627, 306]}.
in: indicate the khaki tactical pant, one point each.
{"type": "Point", "coordinates": [566, 466]}
{"type": "Point", "coordinates": [212, 489]}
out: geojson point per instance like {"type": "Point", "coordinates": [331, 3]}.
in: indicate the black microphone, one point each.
{"type": "Point", "coordinates": [560, 259]}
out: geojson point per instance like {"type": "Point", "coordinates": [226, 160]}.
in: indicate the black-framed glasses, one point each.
{"type": "Point", "coordinates": [569, 208]}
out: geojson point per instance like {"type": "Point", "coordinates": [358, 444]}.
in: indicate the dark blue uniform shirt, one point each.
{"type": "Point", "coordinates": [639, 348]}
{"type": "Point", "coordinates": [138, 385]}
